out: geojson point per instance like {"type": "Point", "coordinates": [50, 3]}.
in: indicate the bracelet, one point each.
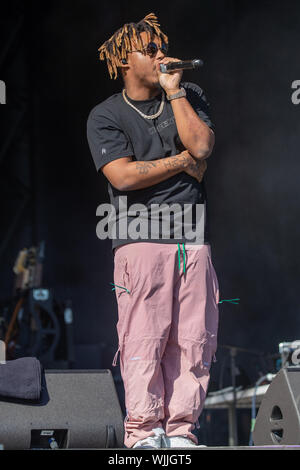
{"type": "Point", "coordinates": [179, 94]}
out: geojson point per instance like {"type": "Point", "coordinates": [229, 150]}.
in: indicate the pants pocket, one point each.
{"type": "Point", "coordinates": [209, 348]}
{"type": "Point", "coordinates": [122, 277]}
{"type": "Point", "coordinates": [122, 282]}
{"type": "Point", "coordinates": [214, 280]}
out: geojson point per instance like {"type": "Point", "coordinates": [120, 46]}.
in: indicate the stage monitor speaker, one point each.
{"type": "Point", "coordinates": [278, 417]}
{"type": "Point", "coordinates": [78, 409]}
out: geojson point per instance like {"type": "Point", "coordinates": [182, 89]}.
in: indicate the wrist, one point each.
{"type": "Point", "coordinates": [172, 91]}
{"type": "Point", "coordinates": [180, 93]}
{"type": "Point", "coordinates": [185, 159]}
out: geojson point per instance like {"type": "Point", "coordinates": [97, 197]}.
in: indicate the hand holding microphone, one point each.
{"type": "Point", "coordinates": [170, 71]}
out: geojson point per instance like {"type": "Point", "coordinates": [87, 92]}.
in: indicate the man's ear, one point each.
{"type": "Point", "coordinates": [123, 63]}
{"type": "Point", "coordinates": [123, 66]}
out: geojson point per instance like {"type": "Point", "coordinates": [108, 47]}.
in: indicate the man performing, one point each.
{"type": "Point", "coordinates": [151, 142]}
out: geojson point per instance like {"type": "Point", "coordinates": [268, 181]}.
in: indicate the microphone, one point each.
{"type": "Point", "coordinates": [181, 65]}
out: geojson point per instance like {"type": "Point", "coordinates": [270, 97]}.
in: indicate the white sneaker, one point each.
{"type": "Point", "coordinates": [179, 441]}
{"type": "Point", "coordinates": [151, 442]}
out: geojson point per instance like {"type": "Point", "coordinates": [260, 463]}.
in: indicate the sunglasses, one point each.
{"type": "Point", "coordinates": [152, 48]}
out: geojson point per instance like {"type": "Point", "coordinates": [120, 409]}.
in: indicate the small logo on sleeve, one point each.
{"type": "Point", "coordinates": [103, 151]}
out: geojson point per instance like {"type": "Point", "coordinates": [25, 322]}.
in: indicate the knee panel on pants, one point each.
{"type": "Point", "coordinates": [140, 367]}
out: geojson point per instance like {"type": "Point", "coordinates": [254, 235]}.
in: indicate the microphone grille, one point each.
{"type": "Point", "coordinates": [197, 63]}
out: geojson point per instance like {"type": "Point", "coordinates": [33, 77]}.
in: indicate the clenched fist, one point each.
{"type": "Point", "coordinates": [169, 81]}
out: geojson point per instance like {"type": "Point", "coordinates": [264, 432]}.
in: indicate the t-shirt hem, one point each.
{"type": "Point", "coordinates": [161, 241]}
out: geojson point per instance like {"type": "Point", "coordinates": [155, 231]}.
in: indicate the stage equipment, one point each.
{"type": "Point", "coordinates": [233, 351]}
{"type": "Point", "coordinates": [32, 322]}
{"type": "Point", "coordinates": [78, 409]}
{"type": "Point", "coordinates": [278, 418]}
{"type": "Point", "coordinates": [28, 267]}
{"type": "Point", "coordinates": [33, 328]}
{"type": "Point", "coordinates": [235, 396]}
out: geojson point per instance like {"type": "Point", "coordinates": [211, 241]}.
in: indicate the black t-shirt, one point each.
{"type": "Point", "coordinates": [115, 130]}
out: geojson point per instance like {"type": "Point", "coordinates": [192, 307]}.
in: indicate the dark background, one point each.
{"type": "Point", "coordinates": [50, 190]}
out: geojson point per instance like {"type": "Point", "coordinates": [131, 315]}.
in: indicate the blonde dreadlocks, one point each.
{"type": "Point", "coordinates": [117, 47]}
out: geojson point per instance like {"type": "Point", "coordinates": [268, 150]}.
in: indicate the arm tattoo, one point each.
{"type": "Point", "coordinates": [144, 167]}
{"type": "Point", "coordinates": [177, 161]}
{"type": "Point", "coordinates": [194, 165]}
{"type": "Point", "coordinates": [170, 163]}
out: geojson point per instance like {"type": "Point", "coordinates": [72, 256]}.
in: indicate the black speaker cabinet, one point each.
{"type": "Point", "coordinates": [278, 417]}
{"type": "Point", "coordinates": [79, 409]}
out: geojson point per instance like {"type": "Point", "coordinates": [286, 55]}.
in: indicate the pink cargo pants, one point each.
{"type": "Point", "coordinates": [167, 296]}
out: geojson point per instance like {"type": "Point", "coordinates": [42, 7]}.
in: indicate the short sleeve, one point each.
{"type": "Point", "coordinates": [106, 139]}
{"type": "Point", "coordinates": [196, 97]}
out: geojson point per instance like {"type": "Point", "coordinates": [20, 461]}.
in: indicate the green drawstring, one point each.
{"type": "Point", "coordinates": [178, 244]}
{"type": "Point", "coordinates": [229, 300]}
{"type": "Point", "coordinates": [178, 256]}
{"type": "Point", "coordinates": [220, 302]}
{"type": "Point", "coordinates": [119, 286]}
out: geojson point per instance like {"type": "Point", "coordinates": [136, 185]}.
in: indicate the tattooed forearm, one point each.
{"type": "Point", "coordinates": [194, 165]}
{"type": "Point", "coordinates": [180, 161]}
{"type": "Point", "coordinates": [142, 174]}
{"type": "Point", "coordinates": [144, 167]}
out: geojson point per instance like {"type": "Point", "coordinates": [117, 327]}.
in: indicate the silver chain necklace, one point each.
{"type": "Point", "coordinates": [153, 116]}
